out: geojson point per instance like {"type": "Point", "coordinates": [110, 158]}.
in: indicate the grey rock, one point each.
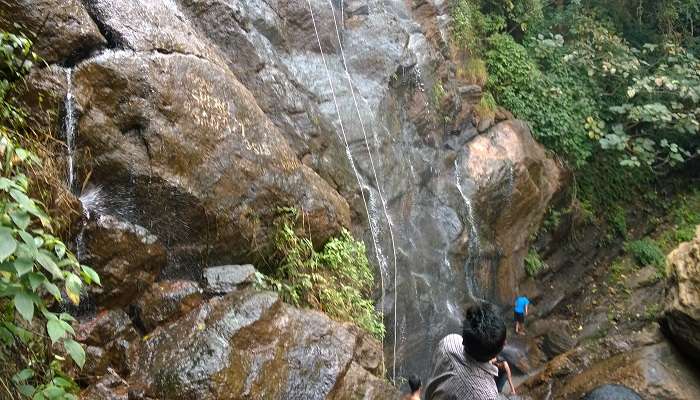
{"type": "Point", "coordinates": [612, 392]}
{"type": "Point", "coordinates": [227, 278]}
{"type": "Point", "coordinates": [66, 31]}
{"type": "Point", "coordinates": [167, 300]}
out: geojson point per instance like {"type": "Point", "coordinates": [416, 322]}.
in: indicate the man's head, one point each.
{"type": "Point", "coordinates": [414, 383]}
{"type": "Point", "coordinates": [483, 332]}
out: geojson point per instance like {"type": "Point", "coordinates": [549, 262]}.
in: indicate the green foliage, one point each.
{"type": "Point", "coordinates": [646, 252]}
{"type": "Point", "coordinates": [338, 280]}
{"type": "Point", "coordinates": [555, 103]}
{"type": "Point", "coordinates": [35, 266]}
{"type": "Point", "coordinates": [533, 263]}
{"type": "Point", "coordinates": [618, 220]}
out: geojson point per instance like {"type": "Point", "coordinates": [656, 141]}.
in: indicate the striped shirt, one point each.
{"type": "Point", "coordinates": [456, 376]}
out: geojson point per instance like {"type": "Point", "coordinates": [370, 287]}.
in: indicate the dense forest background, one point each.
{"type": "Point", "coordinates": [610, 87]}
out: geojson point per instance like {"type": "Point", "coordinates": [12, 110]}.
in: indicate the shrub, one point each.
{"type": "Point", "coordinates": [533, 263]}
{"type": "Point", "coordinates": [338, 280]}
{"type": "Point", "coordinates": [473, 72]}
{"type": "Point", "coordinates": [36, 268]}
{"type": "Point", "coordinates": [646, 252]}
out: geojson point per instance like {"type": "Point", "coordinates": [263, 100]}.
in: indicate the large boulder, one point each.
{"type": "Point", "coordinates": [513, 181]}
{"type": "Point", "coordinates": [127, 257]}
{"type": "Point", "coordinates": [249, 344]}
{"type": "Point", "coordinates": [681, 319]}
{"type": "Point", "coordinates": [195, 158]}
{"type": "Point", "coordinates": [167, 300]}
{"type": "Point", "coordinates": [612, 392]}
{"type": "Point", "coordinates": [64, 30]}
{"type": "Point", "coordinates": [655, 372]}
{"type": "Point", "coordinates": [154, 25]}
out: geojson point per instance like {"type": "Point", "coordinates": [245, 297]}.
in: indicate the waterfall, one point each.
{"type": "Point", "coordinates": [69, 130]}
{"type": "Point", "coordinates": [474, 244]}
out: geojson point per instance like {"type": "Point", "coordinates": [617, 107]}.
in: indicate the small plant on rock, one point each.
{"type": "Point", "coordinates": [646, 252]}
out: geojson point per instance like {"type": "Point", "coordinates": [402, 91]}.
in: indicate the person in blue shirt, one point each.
{"type": "Point", "coordinates": [520, 311]}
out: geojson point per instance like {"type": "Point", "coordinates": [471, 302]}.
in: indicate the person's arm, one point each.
{"type": "Point", "coordinates": [510, 378]}
{"type": "Point", "coordinates": [526, 306]}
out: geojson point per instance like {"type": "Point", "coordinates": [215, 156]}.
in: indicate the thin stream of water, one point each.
{"type": "Point", "coordinates": [370, 219]}
{"type": "Point", "coordinates": [474, 244]}
{"type": "Point", "coordinates": [377, 183]}
{"type": "Point", "coordinates": [69, 129]}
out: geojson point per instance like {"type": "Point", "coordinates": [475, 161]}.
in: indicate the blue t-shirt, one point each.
{"type": "Point", "coordinates": [520, 304]}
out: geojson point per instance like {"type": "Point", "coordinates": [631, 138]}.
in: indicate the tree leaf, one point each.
{"type": "Point", "coordinates": [76, 352]}
{"type": "Point", "coordinates": [25, 305]}
{"type": "Point", "coordinates": [26, 390]}
{"type": "Point", "coordinates": [44, 258]}
{"type": "Point", "coordinates": [23, 265]}
{"type": "Point", "coordinates": [21, 218]}
{"type": "Point", "coordinates": [53, 289]}
{"type": "Point", "coordinates": [73, 285]}
{"type": "Point", "coordinates": [23, 375]}
{"type": "Point", "coordinates": [91, 274]}
{"type": "Point", "coordinates": [35, 279]}
{"type": "Point", "coordinates": [56, 330]}
{"type": "Point", "coordinates": [8, 244]}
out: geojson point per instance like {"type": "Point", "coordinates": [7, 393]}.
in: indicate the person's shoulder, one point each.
{"type": "Point", "coordinates": [450, 343]}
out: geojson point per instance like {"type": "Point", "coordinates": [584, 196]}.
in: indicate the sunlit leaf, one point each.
{"type": "Point", "coordinates": [76, 351]}
{"type": "Point", "coordinates": [8, 244]}
{"type": "Point", "coordinates": [24, 305]}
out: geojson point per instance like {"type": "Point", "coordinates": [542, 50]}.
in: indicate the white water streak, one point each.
{"type": "Point", "coordinates": [376, 180]}
{"type": "Point", "coordinates": [474, 244]}
{"type": "Point", "coordinates": [372, 224]}
{"type": "Point", "coordinates": [69, 128]}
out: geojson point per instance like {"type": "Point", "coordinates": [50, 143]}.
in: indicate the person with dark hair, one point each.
{"type": "Point", "coordinates": [414, 384]}
{"type": "Point", "coordinates": [462, 364]}
{"type": "Point", "coordinates": [504, 374]}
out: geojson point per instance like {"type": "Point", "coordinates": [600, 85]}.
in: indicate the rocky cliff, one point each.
{"type": "Point", "coordinates": [190, 122]}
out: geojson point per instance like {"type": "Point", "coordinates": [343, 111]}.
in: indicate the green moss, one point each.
{"type": "Point", "coordinates": [533, 263]}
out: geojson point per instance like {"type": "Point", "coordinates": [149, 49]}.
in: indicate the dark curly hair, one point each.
{"type": "Point", "coordinates": [483, 331]}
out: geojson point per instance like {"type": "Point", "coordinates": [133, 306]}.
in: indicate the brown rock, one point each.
{"type": "Point", "coordinates": [248, 344]}
{"type": "Point", "coordinates": [655, 372]}
{"type": "Point", "coordinates": [64, 29]}
{"type": "Point", "coordinates": [107, 336]}
{"type": "Point", "coordinates": [681, 319]}
{"type": "Point", "coordinates": [127, 257]}
{"type": "Point", "coordinates": [167, 300]}
{"type": "Point", "coordinates": [196, 157]}
{"type": "Point", "coordinates": [515, 181]}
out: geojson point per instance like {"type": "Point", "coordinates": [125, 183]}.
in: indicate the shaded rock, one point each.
{"type": "Point", "coordinates": [523, 354]}
{"type": "Point", "coordinates": [485, 123]}
{"type": "Point", "coordinates": [654, 372]}
{"type": "Point", "coordinates": [195, 158]}
{"type": "Point", "coordinates": [113, 387]}
{"type": "Point", "coordinates": [167, 300]}
{"type": "Point", "coordinates": [557, 340]}
{"type": "Point", "coordinates": [358, 383]}
{"type": "Point", "coordinates": [513, 181]}
{"type": "Point", "coordinates": [64, 29]}
{"type": "Point", "coordinates": [644, 277]}
{"type": "Point", "coordinates": [612, 392]}
{"type": "Point", "coordinates": [127, 257]}
{"type": "Point", "coordinates": [249, 344]}
{"type": "Point", "coordinates": [149, 25]}
{"type": "Point", "coordinates": [681, 319]}
{"type": "Point", "coordinates": [107, 337]}
{"type": "Point", "coordinates": [227, 278]}
{"type": "Point", "coordinates": [42, 96]}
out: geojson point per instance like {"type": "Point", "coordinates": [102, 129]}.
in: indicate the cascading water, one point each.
{"type": "Point", "coordinates": [474, 245]}
{"type": "Point", "coordinates": [69, 129]}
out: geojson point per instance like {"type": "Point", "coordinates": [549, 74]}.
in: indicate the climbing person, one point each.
{"type": "Point", "coordinates": [414, 384]}
{"type": "Point", "coordinates": [520, 312]}
{"type": "Point", "coordinates": [462, 363]}
{"type": "Point", "coordinates": [503, 374]}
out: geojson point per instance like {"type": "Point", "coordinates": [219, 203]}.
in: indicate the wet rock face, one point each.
{"type": "Point", "coordinates": [227, 278]}
{"type": "Point", "coordinates": [250, 345]}
{"type": "Point", "coordinates": [64, 28]}
{"type": "Point", "coordinates": [194, 158]}
{"type": "Point", "coordinates": [149, 26]}
{"type": "Point", "coordinates": [514, 182]}
{"type": "Point", "coordinates": [167, 300]}
{"type": "Point", "coordinates": [681, 319]}
{"type": "Point", "coordinates": [127, 257]}
{"type": "Point", "coordinates": [107, 337]}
